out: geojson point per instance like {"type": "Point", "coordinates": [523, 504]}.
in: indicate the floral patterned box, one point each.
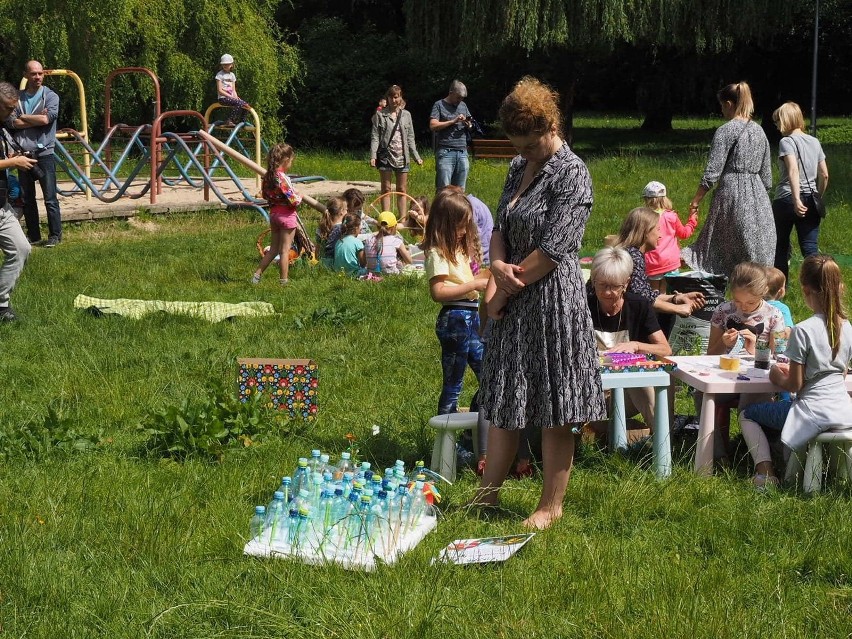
{"type": "Point", "coordinates": [285, 384]}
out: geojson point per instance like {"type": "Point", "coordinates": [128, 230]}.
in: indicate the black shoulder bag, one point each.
{"type": "Point", "coordinates": [383, 155]}
{"type": "Point", "coordinates": [814, 197]}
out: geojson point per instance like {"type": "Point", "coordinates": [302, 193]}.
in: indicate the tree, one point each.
{"type": "Point", "coordinates": [660, 31]}
{"type": "Point", "coordinates": [180, 40]}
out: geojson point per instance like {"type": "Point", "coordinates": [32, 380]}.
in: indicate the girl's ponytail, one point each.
{"type": "Point", "coordinates": [333, 207]}
{"type": "Point", "coordinates": [821, 274]}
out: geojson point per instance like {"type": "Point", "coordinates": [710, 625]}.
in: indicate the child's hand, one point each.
{"type": "Point", "coordinates": [729, 337]}
{"type": "Point", "coordinates": [750, 340]}
{"type": "Point", "coordinates": [783, 368]}
{"type": "Point", "coordinates": [480, 283]}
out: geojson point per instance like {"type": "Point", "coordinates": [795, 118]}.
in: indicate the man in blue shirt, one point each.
{"type": "Point", "coordinates": [449, 122]}
{"type": "Point", "coordinates": [33, 126]}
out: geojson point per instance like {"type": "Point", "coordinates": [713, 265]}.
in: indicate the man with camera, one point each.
{"type": "Point", "coordinates": [13, 242]}
{"type": "Point", "coordinates": [33, 126]}
{"type": "Point", "coordinates": [449, 123]}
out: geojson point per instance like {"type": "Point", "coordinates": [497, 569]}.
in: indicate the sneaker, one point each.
{"type": "Point", "coordinates": [7, 314]}
{"type": "Point", "coordinates": [52, 242]}
{"type": "Point", "coordinates": [255, 279]}
{"type": "Point", "coordinates": [283, 281]}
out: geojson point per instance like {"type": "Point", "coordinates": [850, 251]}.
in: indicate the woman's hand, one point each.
{"type": "Point", "coordinates": [625, 347]}
{"type": "Point", "coordinates": [505, 277]}
{"type": "Point", "coordinates": [800, 207]}
{"type": "Point", "coordinates": [695, 299]}
{"type": "Point", "coordinates": [684, 309]}
{"type": "Point", "coordinates": [372, 161]}
{"type": "Point", "coordinates": [496, 304]}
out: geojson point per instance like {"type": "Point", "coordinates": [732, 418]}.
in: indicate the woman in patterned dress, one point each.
{"type": "Point", "coordinates": [740, 226]}
{"type": "Point", "coordinates": [541, 365]}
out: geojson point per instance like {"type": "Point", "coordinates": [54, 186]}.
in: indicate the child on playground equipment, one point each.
{"type": "Point", "coordinates": [415, 221]}
{"type": "Point", "coordinates": [451, 244]}
{"type": "Point", "coordinates": [283, 200]}
{"type": "Point", "coordinates": [226, 90]}
{"type": "Point", "coordinates": [349, 254]}
{"type": "Point", "coordinates": [329, 230]}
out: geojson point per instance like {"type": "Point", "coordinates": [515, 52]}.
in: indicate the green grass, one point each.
{"type": "Point", "coordinates": [111, 543]}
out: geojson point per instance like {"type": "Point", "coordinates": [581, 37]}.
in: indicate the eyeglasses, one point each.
{"type": "Point", "coordinates": [607, 287]}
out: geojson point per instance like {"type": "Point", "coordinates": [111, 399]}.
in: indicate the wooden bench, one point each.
{"type": "Point", "coordinates": [487, 149]}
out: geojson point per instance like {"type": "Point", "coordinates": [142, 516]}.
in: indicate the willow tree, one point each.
{"type": "Point", "coordinates": [180, 40]}
{"type": "Point", "coordinates": [472, 29]}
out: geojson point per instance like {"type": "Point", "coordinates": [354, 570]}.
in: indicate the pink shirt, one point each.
{"type": "Point", "coordinates": [389, 244]}
{"type": "Point", "coordinates": [666, 257]}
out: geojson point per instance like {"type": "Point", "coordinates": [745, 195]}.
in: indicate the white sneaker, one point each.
{"type": "Point", "coordinates": [255, 279]}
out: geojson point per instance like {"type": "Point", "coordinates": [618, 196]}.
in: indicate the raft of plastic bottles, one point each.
{"type": "Point", "coordinates": [344, 514]}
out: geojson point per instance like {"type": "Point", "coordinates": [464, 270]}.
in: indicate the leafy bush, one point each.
{"type": "Point", "coordinates": [37, 440]}
{"type": "Point", "coordinates": [207, 426]}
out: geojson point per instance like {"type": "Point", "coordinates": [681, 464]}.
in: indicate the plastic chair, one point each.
{"type": "Point", "coordinates": [812, 480]}
{"type": "Point", "coordinates": [444, 449]}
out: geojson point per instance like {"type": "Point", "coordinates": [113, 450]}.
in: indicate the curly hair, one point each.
{"type": "Point", "coordinates": [532, 108]}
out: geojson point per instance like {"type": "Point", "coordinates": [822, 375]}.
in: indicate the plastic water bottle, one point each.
{"type": "Point", "coordinates": [349, 522]}
{"type": "Point", "coordinates": [419, 466]}
{"type": "Point", "coordinates": [346, 483]}
{"type": "Point", "coordinates": [303, 528]}
{"type": "Point", "coordinates": [258, 522]}
{"type": "Point", "coordinates": [316, 490]}
{"type": "Point", "coordinates": [362, 472]}
{"type": "Point", "coordinates": [301, 478]}
{"type": "Point", "coordinates": [761, 354]}
{"type": "Point", "coordinates": [324, 521]}
{"type": "Point", "coordinates": [343, 466]}
{"type": "Point", "coordinates": [417, 508]}
{"type": "Point", "coordinates": [286, 489]}
{"type": "Point", "coordinates": [314, 463]}
{"type": "Point", "coordinates": [324, 465]}
{"type": "Point", "coordinates": [275, 516]}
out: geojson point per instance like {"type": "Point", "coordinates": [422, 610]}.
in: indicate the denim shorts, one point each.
{"type": "Point", "coordinates": [384, 167]}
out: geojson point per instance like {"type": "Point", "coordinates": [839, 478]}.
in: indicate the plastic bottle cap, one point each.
{"type": "Point", "coordinates": [304, 511]}
{"type": "Point", "coordinates": [419, 463]}
{"type": "Point", "coordinates": [399, 463]}
{"type": "Point", "coordinates": [286, 480]}
{"type": "Point", "coordinates": [368, 492]}
{"type": "Point", "coordinates": [316, 452]}
{"type": "Point", "coordinates": [303, 463]}
{"type": "Point", "coordinates": [302, 493]}
{"type": "Point", "coordinates": [353, 496]}
{"type": "Point", "coordinates": [345, 455]}
{"type": "Point", "coordinates": [366, 499]}
{"type": "Point", "coordinates": [338, 492]}
{"type": "Point", "coordinates": [260, 510]}
{"type": "Point", "coordinates": [365, 465]}
{"type": "Point", "coordinates": [348, 475]}
{"type": "Point", "coordinates": [278, 495]}
{"type": "Point", "coordinates": [421, 478]}
{"type": "Point", "coordinates": [383, 494]}
{"type": "Point", "coordinates": [326, 494]}
{"type": "Point", "coordinates": [418, 485]}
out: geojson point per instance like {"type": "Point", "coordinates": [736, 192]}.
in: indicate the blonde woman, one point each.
{"type": "Point", "coordinates": [801, 161]}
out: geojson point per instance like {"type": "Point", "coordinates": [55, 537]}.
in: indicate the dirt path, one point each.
{"type": "Point", "coordinates": [174, 199]}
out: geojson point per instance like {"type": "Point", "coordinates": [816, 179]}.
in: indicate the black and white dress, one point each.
{"type": "Point", "coordinates": [541, 364]}
{"type": "Point", "coordinates": [740, 226]}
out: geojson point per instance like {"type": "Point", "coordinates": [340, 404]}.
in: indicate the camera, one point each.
{"type": "Point", "coordinates": [36, 171]}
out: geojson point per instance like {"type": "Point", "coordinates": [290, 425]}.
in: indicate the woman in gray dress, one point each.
{"type": "Point", "coordinates": [541, 364]}
{"type": "Point", "coordinates": [740, 226]}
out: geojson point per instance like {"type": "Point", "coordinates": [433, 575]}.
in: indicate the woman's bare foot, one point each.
{"type": "Point", "coordinates": [542, 519]}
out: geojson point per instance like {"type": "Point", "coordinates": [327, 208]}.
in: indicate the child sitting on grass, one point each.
{"type": "Point", "coordinates": [329, 230]}
{"type": "Point", "coordinates": [355, 204]}
{"type": "Point", "coordinates": [349, 251]}
{"type": "Point", "coordinates": [385, 249]}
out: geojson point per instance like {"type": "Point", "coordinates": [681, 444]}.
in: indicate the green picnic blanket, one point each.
{"type": "Point", "coordinates": [210, 311]}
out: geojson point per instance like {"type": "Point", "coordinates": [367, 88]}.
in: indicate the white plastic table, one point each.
{"type": "Point", "coordinates": [660, 380]}
{"type": "Point", "coordinates": [702, 372]}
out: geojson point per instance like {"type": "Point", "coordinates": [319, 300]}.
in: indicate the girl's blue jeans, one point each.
{"type": "Point", "coordinates": [458, 332]}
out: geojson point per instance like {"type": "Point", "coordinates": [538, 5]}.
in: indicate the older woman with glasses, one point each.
{"type": "Point", "coordinates": [624, 322]}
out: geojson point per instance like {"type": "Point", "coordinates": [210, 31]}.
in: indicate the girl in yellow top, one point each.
{"type": "Point", "coordinates": [451, 243]}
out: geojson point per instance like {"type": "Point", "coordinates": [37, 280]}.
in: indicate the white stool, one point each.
{"type": "Point", "coordinates": [444, 450]}
{"type": "Point", "coordinates": [812, 481]}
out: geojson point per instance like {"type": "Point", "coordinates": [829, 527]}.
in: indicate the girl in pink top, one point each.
{"type": "Point", "coordinates": [665, 259]}
{"type": "Point", "coordinates": [283, 200]}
